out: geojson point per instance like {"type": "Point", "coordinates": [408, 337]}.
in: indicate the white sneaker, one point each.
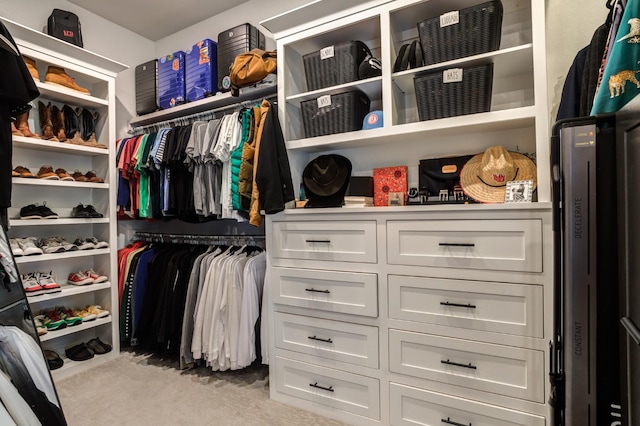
{"type": "Point", "coordinates": [28, 246]}
{"type": "Point", "coordinates": [79, 278]}
{"type": "Point", "coordinates": [84, 244]}
{"type": "Point", "coordinates": [97, 278]}
{"type": "Point", "coordinates": [66, 244]}
{"type": "Point", "coordinates": [97, 243]}
{"type": "Point", "coordinates": [48, 282]}
{"type": "Point", "coordinates": [31, 285]}
{"type": "Point", "coordinates": [51, 245]}
{"type": "Point", "coordinates": [15, 247]}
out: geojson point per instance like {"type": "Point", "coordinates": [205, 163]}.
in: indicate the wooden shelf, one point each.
{"type": "Point", "coordinates": [372, 87]}
{"type": "Point", "coordinates": [60, 256]}
{"type": "Point", "coordinates": [65, 148]}
{"type": "Point", "coordinates": [61, 183]}
{"type": "Point", "coordinates": [67, 290]}
{"type": "Point", "coordinates": [75, 329]}
{"type": "Point", "coordinates": [73, 97]}
{"type": "Point", "coordinates": [206, 104]}
{"type": "Point", "coordinates": [56, 222]}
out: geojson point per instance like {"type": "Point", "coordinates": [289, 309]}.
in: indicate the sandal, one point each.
{"type": "Point", "coordinates": [98, 346]}
{"type": "Point", "coordinates": [79, 352]}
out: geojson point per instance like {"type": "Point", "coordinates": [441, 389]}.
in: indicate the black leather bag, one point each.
{"type": "Point", "coordinates": [65, 26]}
{"type": "Point", "coordinates": [437, 174]}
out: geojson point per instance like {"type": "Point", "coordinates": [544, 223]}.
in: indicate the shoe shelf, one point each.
{"type": "Point", "coordinates": [62, 183]}
{"type": "Point", "coordinates": [61, 256]}
{"type": "Point", "coordinates": [54, 334]}
{"type": "Point", "coordinates": [59, 147]}
{"type": "Point", "coordinates": [54, 222]}
{"type": "Point", "coordinates": [70, 367]}
{"type": "Point", "coordinates": [67, 290]}
{"type": "Point", "coordinates": [70, 96]}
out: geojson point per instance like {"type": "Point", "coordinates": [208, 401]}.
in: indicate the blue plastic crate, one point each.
{"type": "Point", "coordinates": [171, 84]}
{"type": "Point", "coordinates": [201, 70]}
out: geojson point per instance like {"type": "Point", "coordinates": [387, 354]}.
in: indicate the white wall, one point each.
{"type": "Point", "coordinates": [99, 36]}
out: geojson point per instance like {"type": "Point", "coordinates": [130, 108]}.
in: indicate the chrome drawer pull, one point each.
{"type": "Point", "coordinates": [320, 241]}
{"type": "Point", "coordinates": [457, 244]}
{"type": "Point", "coordinates": [319, 339]}
{"type": "Point", "coordinates": [313, 290]}
{"type": "Point", "coordinates": [451, 422]}
{"type": "Point", "coordinates": [458, 305]}
{"type": "Point", "coordinates": [315, 385]}
{"type": "Point", "coordinates": [473, 367]}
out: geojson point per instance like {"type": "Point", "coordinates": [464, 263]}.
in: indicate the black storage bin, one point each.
{"type": "Point", "coordinates": [345, 114]}
{"type": "Point", "coordinates": [478, 31]}
{"type": "Point", "coordinates": [147, 87]}
{"type": "Point", "coordinates": [233, 42]}
{"type": "Point", "coordinates": [471, 95]}
{"type": "Point", "coordinates": [340, 68]}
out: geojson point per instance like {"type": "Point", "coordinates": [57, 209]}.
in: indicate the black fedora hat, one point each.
{"type": "Point", "coordinates": [325, 180]}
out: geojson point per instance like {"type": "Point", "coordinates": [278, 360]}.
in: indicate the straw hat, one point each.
{"type": "Point", "coordinates": [484, 178]}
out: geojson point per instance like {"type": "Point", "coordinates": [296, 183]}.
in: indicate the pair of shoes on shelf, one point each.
{"type": "Point", "coordinates": [90, 176]}
{"type": "Point", "coordinates": [86, 278]}
{"type": "Point", "coordinates": [90, 243]}
{"type": "Point", "coordinates": [58, 318]}
{"type": "Point", "coordinates": [56, 245]}
{"type": "Point", "coordinates": [86, 351]}
{"type": "Point", "coordinates": [85, 212]}
{"type": "Point", "coordinates": [40, 327]}
{"type": "Point", "coordinates": [53, 359]}
{"type": "Point", "coordinates": [48, 173]}
{"type": "Point", "coordinates": [91, 313]}
{"type": "Point", "coordinates": [23, 172]}
{"type": "Point", "coordinates": [37, 211]}
{"type": "Point", "coordinates": [25, 246]}
{"type": "Point", "coordinates": [37, 283]}
{"type": "Point", "coordinates": [55, 75]}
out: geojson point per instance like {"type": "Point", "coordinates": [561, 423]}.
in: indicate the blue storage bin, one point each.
{"type": "Point", "coordinates": [201, 69]}
{"type": "Point", "coordinates": [171, 85]}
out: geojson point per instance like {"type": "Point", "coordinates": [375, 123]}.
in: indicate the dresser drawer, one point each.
{"type": "Point", "coordinates": [511, 245]}
{"type": "Point", "coordinates": [504, 370]}
{"type": "Point", "coordinates": [336, 389]}
{"type": "Point", "coordinates": [495, 307]}
{"type": "Point", "coordinates": [411, 406]}
{"type": "Point", "coordinates": [344, 292]}
{"type": "Point", "coordinates": [339, 341]}
{"type": "Point", "coordinates": [348, 241]}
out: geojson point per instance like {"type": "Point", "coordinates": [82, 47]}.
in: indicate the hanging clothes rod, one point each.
{"type": "Point", "coordinates": [199, 116]}
{"type": "Point", "coordinates": [155, 237]}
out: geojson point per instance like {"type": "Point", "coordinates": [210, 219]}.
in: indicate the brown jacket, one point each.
{"type": "Point", "coordinates": [254, 213]}
{"type": "Point", "coordinates": [245, 177]}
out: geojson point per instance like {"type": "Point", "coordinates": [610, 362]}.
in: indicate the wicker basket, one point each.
{"type": "Point", "coordinates": [437, 99]}
{"type": "Point", "coordinates": [344, 114]}
{"type": "Point", "coordinates": [340, 68]}
{"type": "Point", "coordinates": [477, 32]}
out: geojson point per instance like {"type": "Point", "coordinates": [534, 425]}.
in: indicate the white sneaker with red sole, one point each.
{"type": "Point", "coordinates": [48, 282]}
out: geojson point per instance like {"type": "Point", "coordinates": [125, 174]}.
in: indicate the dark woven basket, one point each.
{"type": "Point", "coordinates": [339, 69]}
{"type": "Point", "coordinates": [345, 114]}
{"type": "Point", "coordinates": [478, 31]}
{"type": "Point", "coordinates": [436, 99]}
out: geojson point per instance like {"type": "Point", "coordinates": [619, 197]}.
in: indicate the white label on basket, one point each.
{"type": "Point", "coordinates": [450, 18]}
{"type": "Point", "coordinates": [324, 101]}
{"type": "Point", "coordinates": [453, 75]}
{"type": "Point", "coordinates": [326, 53]}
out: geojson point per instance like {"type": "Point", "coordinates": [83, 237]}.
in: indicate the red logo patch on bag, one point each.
{"type": "Point", "coordinates": [68, 33]}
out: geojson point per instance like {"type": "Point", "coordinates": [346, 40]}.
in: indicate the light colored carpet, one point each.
{"type": "Point", "coordinates": [142, 390]}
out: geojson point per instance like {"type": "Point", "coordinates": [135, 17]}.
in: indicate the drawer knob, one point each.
{"type": "Point", "coordinates": [320, 241]}
{"type": "Point", "coordinates": [457, 244]}
{"type": "Point", "coordinates": [457, 364]}
{"type": "Point", "coordinates": [317, 386]}
{"type": "Point", "coordinates": [451, 422]}
{"type": "Point", "coordinates": [319, 339]}
{"type": "Point", "coordinates": [313, 290]}
{"type": "Point", "coordinates": [458, 305]}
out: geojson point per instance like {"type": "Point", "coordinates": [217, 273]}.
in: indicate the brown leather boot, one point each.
{"type": "Point", "coordinates": [45, 122]}
{"type": "Point", "coordinates": [57, 119]}
{"type": "Point", "coordinates": [31, 66]}
{"type": "Point", "coordinates": [15, 131]}
{"type": "Point", "coordinates": [57, 75]}
{"type": "Point", "coordinates": [22, 124]}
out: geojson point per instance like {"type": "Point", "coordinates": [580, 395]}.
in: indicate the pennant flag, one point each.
{"type": "Point", "coordinates": [621, 78]}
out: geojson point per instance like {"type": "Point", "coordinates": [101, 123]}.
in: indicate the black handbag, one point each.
{"type": "Point", "coordinates": [65, 26]}
{"type": "Point", "coordinates": [437, 174]}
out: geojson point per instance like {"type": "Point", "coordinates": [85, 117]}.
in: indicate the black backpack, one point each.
{"type": "Point", "coordinates": [65, 26]}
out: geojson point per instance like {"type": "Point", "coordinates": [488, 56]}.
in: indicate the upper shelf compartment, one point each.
{"type": "Point", "coordinates": [70, 96]}
{"type": "Point", "coordinates": [206, 104]}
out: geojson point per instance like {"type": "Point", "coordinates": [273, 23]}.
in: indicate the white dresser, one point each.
{"type": "Point", "coordinates": [428, 315]}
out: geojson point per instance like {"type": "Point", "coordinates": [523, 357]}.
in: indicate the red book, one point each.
{"type": "Point", "coordinates": [386, 180]}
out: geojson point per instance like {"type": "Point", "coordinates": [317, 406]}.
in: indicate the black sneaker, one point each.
{"type": "Point", "coordinates": [46, 212]}
{"type": "Point", "coordinates": [92, 212]}
{"type": "Point", "coordinates": [30, 212]}
{"type": "Point", "coordinates": [80, 211]}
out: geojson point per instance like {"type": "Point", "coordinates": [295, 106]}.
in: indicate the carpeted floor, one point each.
{"type": "Point", "coordinates": [142, 390]}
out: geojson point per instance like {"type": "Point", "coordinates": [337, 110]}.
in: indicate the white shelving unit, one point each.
{"type": "Point", "coordinates": [97, 74]}
{"type": "Point", "coordinates": [399, 314]}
